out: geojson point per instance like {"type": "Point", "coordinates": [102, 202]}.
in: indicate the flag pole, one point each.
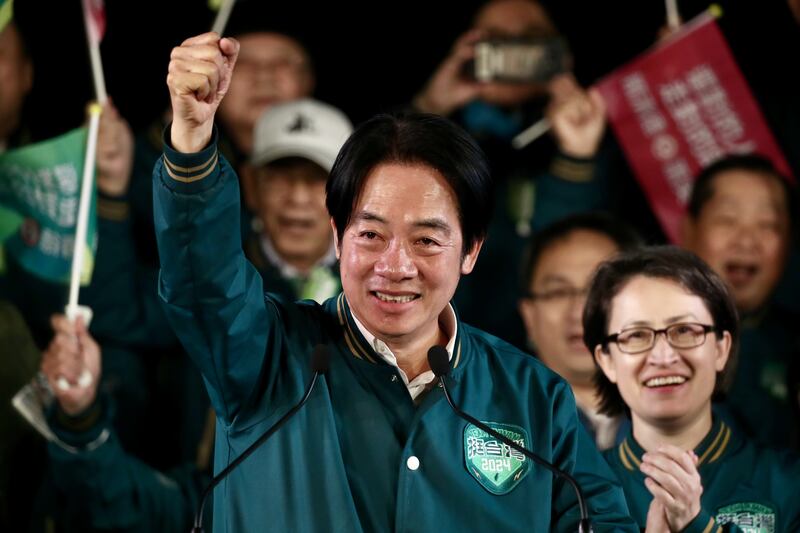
{"type": "Point", "coordinates": [93, 40]}
{"type": "Point", "coordinates": [97, 73]}
{"type": "Point", "coordinates": [673, 16]}
{"type": "Point", "coordinates": [222, 16]}
{"type": "Point", "coordinates": [73, 310]}
{"type": "Point", "coordinates": [532, 133]}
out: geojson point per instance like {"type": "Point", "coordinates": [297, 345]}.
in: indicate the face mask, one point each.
{"type": "Point", "coordinates": [484, 120]}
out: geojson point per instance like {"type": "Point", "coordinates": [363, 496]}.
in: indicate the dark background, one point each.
{"type": "Point", "coordinates": [369, 56]}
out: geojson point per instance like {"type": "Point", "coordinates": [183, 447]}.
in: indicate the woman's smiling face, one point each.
{"type": "Point", "coordinates": [664, 384]}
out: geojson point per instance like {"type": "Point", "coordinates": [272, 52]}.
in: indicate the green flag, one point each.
{"type": "Point", "coordinates": [39, 196]}
{"type": "Point", "coordinates": [6, 12]}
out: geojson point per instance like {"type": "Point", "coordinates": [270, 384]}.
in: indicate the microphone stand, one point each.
{"type": "Point", "coordinates": [441, 367]}
{"type": "Point", "coordinates": [319, 364]}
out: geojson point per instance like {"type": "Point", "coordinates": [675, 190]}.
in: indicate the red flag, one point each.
{"type": "Point", "coordinates": [678, 108]}
{"type": "Point", "coordinates": [94, 15]}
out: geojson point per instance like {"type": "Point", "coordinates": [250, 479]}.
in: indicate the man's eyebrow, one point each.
{"type": "Point", "coordinates": [555, 278]}
{"type": "Point", "coordinates": [430, 223]}
{"type": "Point", "coordinates": [366, 215]}
{"type": "Point", "coordinates": [434, 223]}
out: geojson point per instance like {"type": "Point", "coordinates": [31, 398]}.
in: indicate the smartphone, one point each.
{"type": "Point", "coordinates": [518, 60]}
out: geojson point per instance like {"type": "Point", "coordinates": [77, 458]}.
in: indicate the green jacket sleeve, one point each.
{"type": "Point", "coordinates": [102, 488]}
{"type": "Point", "coordinates": [213, 296]}
{"type": "Point", "coordinates": [569, 186]}
{"type": "Point", "coordinates": [705, 523]}
{"type": "Point", "coordinates": [575, 453]}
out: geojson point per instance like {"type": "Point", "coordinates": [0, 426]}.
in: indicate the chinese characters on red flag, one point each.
{"type": "Point", "coordinates": [678, 108]}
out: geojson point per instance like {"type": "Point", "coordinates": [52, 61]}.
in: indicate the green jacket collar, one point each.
{"type": "Point", "coordinates": [710, 450]}
{"type": "Point", "coordinates": [361, 349]}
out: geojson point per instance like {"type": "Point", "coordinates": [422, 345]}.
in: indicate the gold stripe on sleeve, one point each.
{"type": "Point", "coordinates": [189, 170]}
{"type": "Point", "coordinates": [192, 178]}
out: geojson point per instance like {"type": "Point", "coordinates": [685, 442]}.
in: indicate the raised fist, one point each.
{"type": "Point", "coordinates": [199, 75]}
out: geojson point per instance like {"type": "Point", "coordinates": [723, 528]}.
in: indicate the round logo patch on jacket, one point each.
{"type": "Point", "coordinates": [751, 517]}
{"type": "Point", "coordinates": [496, 466]}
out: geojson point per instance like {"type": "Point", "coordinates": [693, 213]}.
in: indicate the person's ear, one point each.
{"type": "Point", "coordinates": [723, 351]}
{"type": "Point", "coordinates": [469, 259]}
{"type": "Point", "coordinates": [606, 363]}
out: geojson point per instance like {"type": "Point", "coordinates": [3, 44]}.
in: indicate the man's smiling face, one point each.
{"type": "Point", "coordinates": [401, 253]}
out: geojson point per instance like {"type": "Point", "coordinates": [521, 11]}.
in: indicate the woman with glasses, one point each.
{"type": "Point", "coordinates": [664, 332]}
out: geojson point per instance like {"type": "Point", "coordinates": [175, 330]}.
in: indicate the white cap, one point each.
{"type": "Point", "coordinates": [301, 128]}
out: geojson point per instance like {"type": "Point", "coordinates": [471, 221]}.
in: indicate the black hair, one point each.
{"type": "Point", "coordinates": [253, 17]}
{"type": "Point", "coordinates": [623, 236]}
{"type": "Point", "coordinates": [414, 138]}
{"type": "Point", "coordinates": [662, 262]}
{"type": "Point", "coordinates": [703, 188]}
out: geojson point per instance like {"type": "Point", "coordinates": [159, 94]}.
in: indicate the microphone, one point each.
{"type": "Point", "coordinates": [320, 360]}
{"type": "Point", "coordinates": [439, 361]}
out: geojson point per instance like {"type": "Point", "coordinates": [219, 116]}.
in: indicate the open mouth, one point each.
{"type": "Point", "coordinates": [739, 273]}
{"type": "Point", "coordinates": [394, 298]}
{"type": "Point", "coordinates": [296, 223]}
{"type": "Point", "coordinates": [665, 381]}
{"type": "Point", "coordinates": [261, 101]}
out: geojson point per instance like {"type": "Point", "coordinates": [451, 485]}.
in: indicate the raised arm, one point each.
{"type": "Point", "coordinates": [214, 297]}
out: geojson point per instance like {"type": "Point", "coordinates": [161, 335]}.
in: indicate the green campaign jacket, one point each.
{"type": "Point", "coordinates": [360, 456]}
{"type": "Point", "coordinates": [745, 488]}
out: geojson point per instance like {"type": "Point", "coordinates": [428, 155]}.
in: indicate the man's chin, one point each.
{"type": "Point", "coordinates": [748, 298]}
{"type": "Point", "coordinates": [502, 95]}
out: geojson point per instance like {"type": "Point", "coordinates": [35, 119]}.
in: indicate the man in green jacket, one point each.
{"type": "Point", "coordinates": [376, 448]}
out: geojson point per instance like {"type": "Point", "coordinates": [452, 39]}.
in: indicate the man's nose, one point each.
{"type": "Point", "coordinates": [396, 262]}
{"type": "Point", "coordinates": [299, 192]}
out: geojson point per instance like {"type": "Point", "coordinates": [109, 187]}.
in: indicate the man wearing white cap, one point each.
{"type": "Point", "coordinates": [294, 147]}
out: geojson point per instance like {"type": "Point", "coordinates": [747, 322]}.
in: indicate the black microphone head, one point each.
{"type": "Point", "coordinates": [320, 359]}
{"type": "Point", "coordinates": [439, 361]}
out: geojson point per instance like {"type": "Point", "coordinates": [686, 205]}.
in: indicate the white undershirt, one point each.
{"type": "Point", "coordinates": [605, 428]}
{"type": "Point", "coordinates": [448, 323]}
